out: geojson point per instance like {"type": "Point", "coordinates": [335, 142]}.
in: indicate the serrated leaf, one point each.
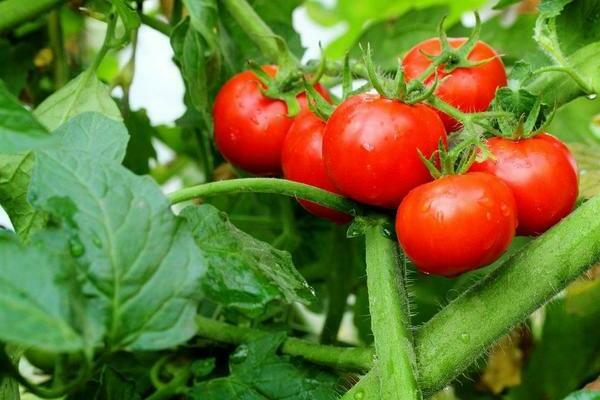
{"type": "Point", "coordinates": [243, 272]}
{"type": "Point", "coordinates": [82, 94]}
{"type": "Point", "coordinates": [34, 297]}
{"type": "Point", "coordinates": [552, 8]}
{"type": "Point", "coordinates": [258, 373]}
{"type": "Point", "coordinates": [19, 130]}
{"type": "Point", "coordinates": [142, 262]}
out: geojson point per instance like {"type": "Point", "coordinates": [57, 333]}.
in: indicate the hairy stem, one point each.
{"type": "Point", "coordinates": [55, 33]}
{"type": "Point", "coordinates": [460, 333]}
{"type": "Point", "coordinates": [15, 12]}
{"type": "Point", "coordinates": [348, 358]}
{"type": "Point", "coordinates": [390, 318]}
{"type": "Point", "coordinates": [267, 185]}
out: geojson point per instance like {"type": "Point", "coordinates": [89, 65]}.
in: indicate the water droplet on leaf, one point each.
{"type": "Point", "coordinates": [592, 96]}
{"type": "Point", "coordinates": [465, 337]}
{"type": "Point", "coordinates": [76, 248]}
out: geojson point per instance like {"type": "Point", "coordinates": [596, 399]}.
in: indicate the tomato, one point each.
{"type": "Point", "coordinates": [468, 89]}
{"type": "Point", "coordinates": [457, 223]}
{"type": "Point", "coordinates": [302, 160]}
{"type": "Point", "coordinates": [250, 127]}
{"type": "Point", "coordinates": [542, 174]}
{"type": "Point", "coordinates": [371, 144]}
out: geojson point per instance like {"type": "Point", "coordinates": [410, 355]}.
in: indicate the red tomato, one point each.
{"type": "Point", "coordinates": [302, 161]}
{"type": "Point", "coordinates": [542, 174]}
{"type": "Point", "coordinates": [371, 144]}
{"type": "Point", "coordinates": [457, 223]}
{"type": "Point", "coordinates": [250, 127]}
{"type": "Point", "coordinates": [468, 89]}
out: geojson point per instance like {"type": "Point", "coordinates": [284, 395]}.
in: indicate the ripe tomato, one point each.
{"type": "Point", "coordinates": [250, 127]}
{"type": "Point", "coordinates": [371, 144]}
{"type": "Point", "coordinates": [542, 174]}
{"type": "Point", "coordinates": [302, 161]}
{"type": "Point", "coordinates": [457, 223]}
{"type": "Point", "coordinates": [468, 89]}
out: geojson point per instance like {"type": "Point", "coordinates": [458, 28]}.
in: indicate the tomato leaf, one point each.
{"type": "Point", "coordinates": [19, 130]}
{"type": "Point", "coordinates": [35, 293]}
{"type": "Point", "coordinates": [82, 94]}
{"type": "Point", "coordinates": [258, 373]}
{"type": "Point", "coordinates": [244, 273]}
{"type": "Point", "coordinates": [139, 148]}
{"type": "Point", "coordinates": [142, 263]}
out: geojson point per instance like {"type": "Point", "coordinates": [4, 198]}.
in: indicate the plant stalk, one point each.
{"type": "Point", "coordinates": [347, 358]}
{"type": "Point", "coordinates": [390, 318]}
{"type": "Point", "coordinates": [15, 12]}
{"type": "Point", "coordinates": [267, 185]}
{"type": "Point", "coordinates": [55, 33]}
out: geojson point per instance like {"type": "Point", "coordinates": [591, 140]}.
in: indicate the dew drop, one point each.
{"type": "Point", "coordinates": [97, 241]}
{"type": "Point", "coordinates": [505, 210]}
{"type": "Point", "coordinates": [76, 248]}
{"type": "Point", "coordinates": [368, 146]}
{"type": "Point", "coordinates": [488, 216]}
{"type": "Point", "coordinates": [592, 96]}
{"type": "Point", "coordinates": [465, 337]}
{"type": "Point", "coordinates": [359, 395]}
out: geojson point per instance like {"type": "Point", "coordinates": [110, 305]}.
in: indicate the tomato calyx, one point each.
{"type": "Point", "coordinates": [284, 86]}
{"type": "Point", "coordinates": [457, 158]}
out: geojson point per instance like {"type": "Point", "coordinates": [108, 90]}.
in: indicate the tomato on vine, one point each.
{"type": "Point", "coordinates": [249, 127]}
{"type": "Point", "coordinates": [470, 89]}
{"type": "Point", "coordinates": [371, 145]}
{"type": "Point", "coordinates": [457, 223]}
{"type": "Point", "coordinates": [542, 174]}
{"type": "Point", "coordinates": [302, 161]}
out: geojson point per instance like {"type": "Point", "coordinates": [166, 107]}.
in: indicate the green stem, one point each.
{"type": "Point", "coordinates": [446, 108]}
{"type": "Point", "coordinates": [569, 71]}
{"type": "Point", "coordinates": [55, 33]}
{"type": "Point", "coordinates": [347, 358]}
{"type": "Point", "coordinates": [460, 333]}
{"type": "Point", "coordinates": [367, 388]}
{"type": "Point", "coordinates": [156, 24]}
{"type": "Point", "coordinates": [15, 12]}
{"type": "Point", "coordinates": [390, 318]}
{"type": "Point", "coordinates": [111, 25]}
{"type": "Point", "coordinates": [267, 185]}
{"type": "Point", "coordinates": [176, 12]}
{"type": "Point", "coordinates": [251, 23]}
{"type": "Point", "coordinates": [176, 386]}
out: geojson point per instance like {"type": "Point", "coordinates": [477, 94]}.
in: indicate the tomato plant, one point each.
{"type": "Point", "coordinates": [158, 159]}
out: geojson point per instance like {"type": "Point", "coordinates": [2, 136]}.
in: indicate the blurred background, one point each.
{"type": "Point", "coordinates": [554, 353]}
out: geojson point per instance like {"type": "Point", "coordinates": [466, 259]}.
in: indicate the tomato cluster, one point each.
{"type": "Point", "coordinates": [370, 150]}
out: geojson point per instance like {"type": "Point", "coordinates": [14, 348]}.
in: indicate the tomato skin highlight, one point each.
{"type": "Point", "coordinates": [468, 89]}
{"type": "Point", "coordinates": [302, 161]}
{"type": "Point", "coordinates": [542, 174]}
{"type": "Point", "coordinates": [371, 144]}
{"type": "Point", "coordinates": [250, 127]}
{"type": "Point", "coordinates": [457, 223]}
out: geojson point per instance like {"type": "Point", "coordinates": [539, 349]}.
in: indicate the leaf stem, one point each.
{"type": "Point", "coordinates": [569, 71]}
{"type": "Point", "coordinates": [267, 185]}
{"type": "Point", "coordinates": [346, 358]}
{"type": "Point", "coordinates": [251, 23]}
{"type": "Point", "coordinates": [15, 12]}
{"type": "Point", "coordinates": [390, 318]}
{"type": "Point", "coordinates": [156, 24]}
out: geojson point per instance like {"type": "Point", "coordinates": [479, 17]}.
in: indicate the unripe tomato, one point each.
{"type": "Point", "coordinates": [542, 174]}
{"type": "Point", "coordinates": [457, 223]}
{"type": "Point", "coordinates": [302, 161]}
{"type": "Point", "coordinates": [250, 127]}
{"type": "Point", "coordinates": [371, 144]}
{"type": "Point", "coordinates": [468, 89]}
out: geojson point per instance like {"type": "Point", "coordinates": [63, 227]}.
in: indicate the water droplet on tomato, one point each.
{"type": "Point", "coordinates": [368, 146]}
{"type": "Point", "coordinates": [505, 210]}
{"type": "Point", "coordinates": [488, 216]}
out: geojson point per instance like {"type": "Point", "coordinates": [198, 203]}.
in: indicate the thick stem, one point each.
{"type": "Point", "coordinates": [390, 318]}
{"type": "Point", "coordinates": [367, 388]}
{"type": "Point", "coordinates": [156, 24]}
{"type": "Point", "coordinates": [15, 12]}
{"type": "Point", "coordinates": [55, 33]}
{"type": "Point", "coordinates": [348, 358]}
{"type": "Point", "coordinates": [267, 185]}
{"type": "Point", "coordinates": [460, 333]}
{"type": "Point", "coordinates": [251, 23]}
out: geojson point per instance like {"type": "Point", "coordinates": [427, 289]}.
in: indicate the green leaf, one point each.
{"type": "Point", "coordinates": [584, 395]}
{"type": "Point", "coordinates": [505, 3]}
{"type": "Point", "coordinates": [19, 130]}
{"type": "Point", "coordinates": [243, 272]}
{"type": "Point", "coordinates": [142, 262]}
{"type": "Point", "coordinates": [82, 94]}
{"type": "Point", "coordinates": [35, 295]}
{"type": "Point", "coordinates": [567, 355]}
{"type": "Point", "coordinates": [258, 373]}
{"type": "Point", "coordinates": [139, 149]}
{"type": "Point", "coordinates": [90, 132]}
{"type": "Point", "coordinates": [113, 386]}
{"type": "Point", "coordinates": [9, 387]}
{"type": "Point", "coordinates": [578, 25]}
{"type": "Point", "coordinates": [130, 18]}
{"type": "Point", "coordinates": [17, 61]}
